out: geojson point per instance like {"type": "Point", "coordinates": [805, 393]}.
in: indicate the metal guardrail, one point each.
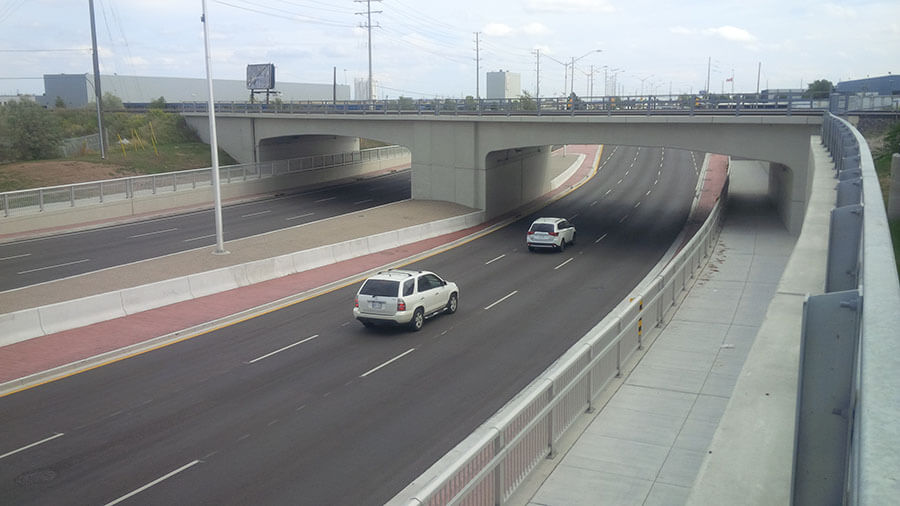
{"type": "Point", "coordinates": [848, 406]}
{"type": "Point", "coordinates": [509, 446]}
{"type": "Point", "coordinates": [732, 104]}
{"type": "Point", "coordinates": [96, 192]}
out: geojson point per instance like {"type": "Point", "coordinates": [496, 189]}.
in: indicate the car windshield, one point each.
{"type": "Point", "coordinates": [542, 227]}
{"type": "Point", "coordinates": [380, 287]}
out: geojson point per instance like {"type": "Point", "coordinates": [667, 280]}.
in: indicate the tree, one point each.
{"type": "Point", "coordinates": [526, 102]}
{"type": "Point", "coordinates": [111, 102]}
{"type": "Point", "coordinates": [819, 89]}
{"type": "Point", "coordinates": [60, 103]}
{"type": "Point", "coordinates": [158, 103]}
{"type": "Point", "coordinates": [32, 132]}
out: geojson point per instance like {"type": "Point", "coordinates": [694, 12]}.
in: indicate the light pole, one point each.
{"type": "Point", "coordinates": [642, 79]}
{"type": "Point", "coordinates": [572, 87]}
{"type": "Point", "coordinates": [565, 66]}
{"type": "Point", "coordinates": [214, 149]}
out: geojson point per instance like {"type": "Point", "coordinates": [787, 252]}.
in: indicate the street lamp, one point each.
{"type": "Point", "coordinates": [565, 67]}
{"type": "Point", "coordinates": [572, 88]}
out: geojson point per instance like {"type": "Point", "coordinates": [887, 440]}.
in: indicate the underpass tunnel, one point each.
{"type": "Point", "coordinates": [516, 176]}
{"type": "Point", "coordinates": [298, 146]}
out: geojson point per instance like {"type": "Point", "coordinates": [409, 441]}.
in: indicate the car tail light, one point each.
{"type": "Point", "coordinates": [401, 305]}
{"type": "Point", "coordinates": [531, 232]}
{"type": "Point", "coordinates": [554, 234]}
{"type": "Point", "coordinates": [356, 302]}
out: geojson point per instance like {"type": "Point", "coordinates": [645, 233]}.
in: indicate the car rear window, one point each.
{"type": "Point", "coordinates": [541, 227]}
{"type": "Point", "coordinates": [380, 287]}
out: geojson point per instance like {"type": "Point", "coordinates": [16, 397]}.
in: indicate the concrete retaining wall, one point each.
{"type": "Point", "coordinates": [29, 323]}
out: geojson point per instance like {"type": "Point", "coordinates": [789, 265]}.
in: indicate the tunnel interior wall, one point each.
{"type": "Point", "coordinates": [515, 177]}
{"type": "Point", "coordinates": [298, 146]}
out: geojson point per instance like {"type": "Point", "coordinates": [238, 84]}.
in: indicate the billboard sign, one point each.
{"type": "Point", "coordinates": [261, 76]}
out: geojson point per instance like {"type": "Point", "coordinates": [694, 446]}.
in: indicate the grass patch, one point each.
{"type": "Point", "coordinates": [134, 160]}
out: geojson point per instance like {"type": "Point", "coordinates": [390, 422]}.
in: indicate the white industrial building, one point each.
{"type": "Point", "coordinates": [503, 84]}
{"type": "Point", "coordinates": [77, 90]}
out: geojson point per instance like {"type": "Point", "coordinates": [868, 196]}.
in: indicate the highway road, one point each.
{"type": "Point", "coordinates": [32, 261]}
{"type": "Point", "coordinates": [305, 406]}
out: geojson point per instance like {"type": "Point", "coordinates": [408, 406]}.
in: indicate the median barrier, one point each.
{"type": "Point", "coordinates": [161, 293]}
{"type": "Point", "coordinates": [19, 326]}
{"type": "Point", "coordinates": [81, 312]}
{"type": "Point", "coordinates": [211, 282]}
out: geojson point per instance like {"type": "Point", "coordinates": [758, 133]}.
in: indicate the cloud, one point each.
{"type": "Point", "coordinates": [535, 28]}
{"type": "Point", "coordinates": [497, 29]}
{"type": "Point", "coordinates": [839, 11]}
{"type": "Point", "coordinates": [568, 6]}
{"type": "Point", "coordinates": [731, 33]}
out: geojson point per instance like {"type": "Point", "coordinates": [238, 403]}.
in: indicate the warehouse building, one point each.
{"type": "Point", "coordinates": [77, 90]}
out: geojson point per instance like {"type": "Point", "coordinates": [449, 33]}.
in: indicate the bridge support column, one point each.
{"type": "Point", "coordinates": [445, 165]}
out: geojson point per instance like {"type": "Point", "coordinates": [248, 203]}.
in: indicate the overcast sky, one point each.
{"type": "Point", "coordinates": [427, 47]}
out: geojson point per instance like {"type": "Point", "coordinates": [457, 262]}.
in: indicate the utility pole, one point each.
{"type": "Point", "coordinates": [368, 26]}
{"type": "Point", "coordinates": [477, 68]}
{"type": "Point", "coordinates": [97, 82]}
{"type": "Point", "coordinates": [758, 72]}
{"type": "Point", "coordinates": [537, 52]}
{"type": "Point", "coordinates": [708, 66]}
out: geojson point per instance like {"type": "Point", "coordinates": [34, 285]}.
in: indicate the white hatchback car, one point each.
{"type": "Point", "coordinates": [404, 297]}
{"type": "Point", "coordinates": [555, 233]}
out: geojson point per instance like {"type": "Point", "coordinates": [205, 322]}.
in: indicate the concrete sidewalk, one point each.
{"type": "Point", "coordinates": [57, 355]}
{"type": "Point", "coordinates": [646, 445]}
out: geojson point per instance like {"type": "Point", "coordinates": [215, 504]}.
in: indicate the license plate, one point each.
{"type": "Point", "coordinates": [376, 304]}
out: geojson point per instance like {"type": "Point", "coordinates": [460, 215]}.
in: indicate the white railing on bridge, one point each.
{"type": "Point", "coordinates": [95, 192]}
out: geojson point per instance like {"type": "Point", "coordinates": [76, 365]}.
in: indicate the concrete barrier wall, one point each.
{"type": "Point", "coordinates": [29, 323]}
{"type": "Point", "coordinates": [198, 197]}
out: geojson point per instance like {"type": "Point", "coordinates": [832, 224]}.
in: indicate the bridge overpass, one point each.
{"type": "Point", "coordinates": [497, 163]}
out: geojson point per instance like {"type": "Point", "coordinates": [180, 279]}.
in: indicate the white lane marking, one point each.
{"type": "Point", "coordinates": [398, 357]}
{"type": "Point", "coordinates": [564, 263]}
{"type": "Point", "coordinates": [627, 172]}
{"type": "Point", "coordinates": [655, 181]}
{"type": "Point", "coordinates": [573, 216]}
{"type": "Point", "coordinates": [325, 200]}
{"type": "Point", "coordinates": [362, 201]}
{"type": "Point", "coordinates": [54, 266]}
{"type": "Point", "coordinates": [601, 238]}
{"type": "Point", "coordinates": [494, 259]}
{"type": "Point", "coordinates": [648, 192]}
{"type": "Point", "coordinates": [154, 482]}
{"type": "Point", "coordinates": [594, 203]}
{"type": "Point", "coordinates": [608, 192]}
{"type": "Point", "coordinates": [636, 205]}
{"type": "Point", "coordinates": [298, 217]}
{"type": "Point", "coordinates": [16, 256]}
{"type": "Point", "coordinates": [620, 181]}
{"type": "Point", "coordinates": [152, 233]}
{"type": "Point", "coordinates": [501, 300]}
{"type": "Point", "coordinates": [256, 214]}
{"type": "Point", "coordinates": [199, 238]}
{"type": "Point", "coordinates": [623, 218]}
{"type": "Point", "coordinates": [42, 441]}
{"type": "Point", "coordinates": [267, 355]}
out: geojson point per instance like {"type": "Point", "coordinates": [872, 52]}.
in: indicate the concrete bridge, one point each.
{"type": "Point", "coordinates": [497, 163]}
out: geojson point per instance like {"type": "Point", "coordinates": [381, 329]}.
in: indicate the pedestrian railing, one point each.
{"type": "Point", "coordinates": [96, 192]}
{"type": "Point", "coordinates": [489, 466]}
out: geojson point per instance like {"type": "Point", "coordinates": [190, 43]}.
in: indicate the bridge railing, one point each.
{"type": "Point", "coordinates": [37, 200]}
{"type": "Point", "coordinates": [848, 407]}
{"type": "Point", "coordinates": [725, 104]}
{"type": "Point", "coordinates": [489, 466]}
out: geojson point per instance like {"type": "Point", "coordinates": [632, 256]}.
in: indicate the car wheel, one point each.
{"type": "Point", "coordinates": [418, 320]}
{"type": "Point", "coordinates": [452, 304]}
{"type": "Point", "coordinates": [562, 244]}
{"type": "Point", "coordinates": [531, 248]}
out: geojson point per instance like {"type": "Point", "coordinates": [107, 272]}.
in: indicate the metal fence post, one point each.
{"type": "Point", "coordinates": [72, 196]}
{"type": "Point", "coordinates": [41, 199]}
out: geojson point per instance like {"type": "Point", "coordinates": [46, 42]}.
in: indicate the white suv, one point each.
{"type": "Point", "coordinates": [404, 297]}
{"type": "Point", "coordinates": [554, 233]}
